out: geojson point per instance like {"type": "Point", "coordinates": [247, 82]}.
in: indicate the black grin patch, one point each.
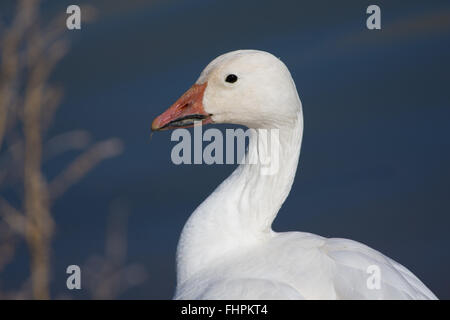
{"type": "Point", "coordinates": [185, 121]}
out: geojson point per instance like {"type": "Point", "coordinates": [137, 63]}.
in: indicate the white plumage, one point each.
{"type": "Point", "coordinates": [228, 250]}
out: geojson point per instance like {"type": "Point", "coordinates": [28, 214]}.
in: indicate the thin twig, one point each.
{"type": "Point", "coordinates": [83, 164]}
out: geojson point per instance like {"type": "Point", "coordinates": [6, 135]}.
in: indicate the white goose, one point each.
{"type": "Point", "coordinates": [227, 249]}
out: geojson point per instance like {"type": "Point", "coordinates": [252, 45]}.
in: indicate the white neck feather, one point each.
{"type": "Point", "coordinates": [241, 210]}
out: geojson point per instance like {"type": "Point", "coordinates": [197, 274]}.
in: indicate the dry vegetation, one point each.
{"type": "Point", "coordinates": [29, 51]}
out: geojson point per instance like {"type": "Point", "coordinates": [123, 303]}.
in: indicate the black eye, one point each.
{"type": "Point", "coordinates": [231, 78]}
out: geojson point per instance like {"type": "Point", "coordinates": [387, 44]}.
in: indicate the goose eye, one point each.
{"type": "Point", "coordinates": [231, 78]}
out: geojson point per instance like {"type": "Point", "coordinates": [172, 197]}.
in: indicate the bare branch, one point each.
{"type": "Point", "coordinates": [72, 140]}
{"type": "Point", "coordinates": [8, 242]}
{"type": "Point", "coordinates": [51, 99]}
{"type": "Point", "coordinates": [13, 217]}
{"type": "Point", "coordinates": [29, 52]}
{"type": "Point", "coordinates": [83, 164]}
{"type": "Point", "coordinates": [109, 275]}
{"type": "Point", "coordinates": [10, 66]}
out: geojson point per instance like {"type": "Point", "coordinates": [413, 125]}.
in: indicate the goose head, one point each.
{"type": "Point", "coordinates": [245, 87]}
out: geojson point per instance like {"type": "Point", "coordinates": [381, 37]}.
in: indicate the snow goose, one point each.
{"type": "Point", "coordinates": [227, 249]}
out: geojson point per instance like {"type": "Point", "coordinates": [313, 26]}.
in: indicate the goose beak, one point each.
{"type": "Point", "coordinates": [185, 111]}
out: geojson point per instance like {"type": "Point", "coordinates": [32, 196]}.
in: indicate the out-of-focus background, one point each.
{"type": "Point", "coordinates": [82, 182]}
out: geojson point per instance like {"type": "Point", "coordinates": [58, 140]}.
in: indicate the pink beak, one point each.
{"type": "Point", "coordinates": [185, 111]}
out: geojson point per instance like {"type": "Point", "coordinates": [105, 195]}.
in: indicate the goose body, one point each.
{"type": "Point", "coordinates": [227, 249]}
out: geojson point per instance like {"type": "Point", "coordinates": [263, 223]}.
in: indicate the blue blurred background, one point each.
{"type": "Point", "coordinates": [374, 165]}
